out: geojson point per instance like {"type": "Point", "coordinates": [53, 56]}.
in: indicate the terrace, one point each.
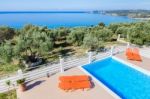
{"type": "Point", "coordinates": [47, 88]}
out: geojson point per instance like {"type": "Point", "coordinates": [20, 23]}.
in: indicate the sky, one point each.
{"type": "Point", "coordinates": [48, 5]}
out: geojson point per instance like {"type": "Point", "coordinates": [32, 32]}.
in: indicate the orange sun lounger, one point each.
{"type": "Point", "coordinates": [66, 78]}
{"type": "Point", "coordinates": [75, 85]}
{"type": "Point", "coordinates": [136, 55]}
{"type": "Point", "coordinates": [65, 86]}
{"type": "Point", "coordinates": [129, 54]}
{"type": "Point", "coordinates": [127, 51]}
{"type": "Point", "coordinates": [74, 78]}
{"type": "Point", "coordinates": [82, 85]}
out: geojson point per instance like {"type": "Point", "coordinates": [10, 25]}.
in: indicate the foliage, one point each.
{"type": "Point", "coordinates": [76, 36]}
{"type": "Point", "coordinates": [8, 83]}
{"type": "Point", "coordinates": [101, 24]}
{"type": "Point", "coordinates": [137, 33]}
{"type": "Point", "coordinates": [9, 95]}
{"type": "Point", "coordinates": [61, 32]}
{"type": "Point", "coordinates": [113, 27]}
{"type": "Point", "coordinates": [95, 38]}
{"type": "Point", "coordinates": [21, 81]}
{"type": "Point", "coordinates": [91, 42]}
{"type": "Point", "coordinates": [104, 34]}
{"type": "Point", "coordinates": [8, 68]}
{"type": "Point", "coordinates": [6, 52]}
{"type": "Point", "coordinates": [123, 31]}
{"type": "Point", "coordinates": [6, 33]}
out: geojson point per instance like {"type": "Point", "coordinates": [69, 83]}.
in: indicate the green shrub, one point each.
{"type": "Point", "coordinates": [9, 95]}
{"type": "Point", "coordinates": [21, 81]}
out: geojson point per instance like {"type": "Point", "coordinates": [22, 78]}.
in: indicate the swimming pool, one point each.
{"type": "Point", "coordinates": [125, 81]}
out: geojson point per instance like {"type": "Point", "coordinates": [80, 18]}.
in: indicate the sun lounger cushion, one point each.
{"type": "Point", "coordinates": [129, 54]}
{"type": "Point", "coordinates": [133, 54]}
{"type": "Point", "coordinates": [74, 78]}
{"type": "Point", "coordinates": [136, 55]}
{"type": "Point", "coordinates": [75, 85]}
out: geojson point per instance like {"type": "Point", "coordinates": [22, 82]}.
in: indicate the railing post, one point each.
{"type": "Point", "coordinates": [111, 51]}
{"type": "Point", "coordinates": [20, 74]}
{"type": "Point", "coordinates": [118, 38]}
{"type": "Point", "coordinates": [61, 64]}
{"type": "Point", "coordinates": [90, 56]}
{"type": "Point", "coordinates": [128, 44]}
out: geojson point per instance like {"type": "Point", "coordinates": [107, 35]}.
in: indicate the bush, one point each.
{"type": "Point", "coordinates": [6, 33]}
{"type": "Point", "coordinates": [76, 36]}
{"type": "Point", "coordinates": [9, 95]}
{"type": "Point", "coordinates": [21, 81]}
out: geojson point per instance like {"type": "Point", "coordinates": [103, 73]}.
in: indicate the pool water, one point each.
{"type": "Point", "coordinates": [125, 81]}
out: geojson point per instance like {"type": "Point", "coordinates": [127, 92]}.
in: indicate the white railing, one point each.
{"type": "Point", "coordinates": [50, 69]}
{"type": "Point", "coordinates": [119, 49]}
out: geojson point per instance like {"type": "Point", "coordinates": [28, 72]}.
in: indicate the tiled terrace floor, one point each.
{"type": "Point", "coordinates": [47, 88]}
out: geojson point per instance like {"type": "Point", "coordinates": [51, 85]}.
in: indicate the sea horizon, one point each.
{"type": "Point", "coordinates": [69, 11]}
{"type": "Point", "coordinates": [5, 12]}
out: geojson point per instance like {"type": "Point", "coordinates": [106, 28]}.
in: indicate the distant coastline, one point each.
{"type": "Point", "coordinates": [144, 19]}
{"type": "Point", "coordinates": [133, 14]}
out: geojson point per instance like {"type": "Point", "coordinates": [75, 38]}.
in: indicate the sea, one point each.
{"type": "Point", "coordinates": [58, 19]}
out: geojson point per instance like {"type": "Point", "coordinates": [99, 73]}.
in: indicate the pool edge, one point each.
{"type": "Point", "coordinates": [99, 82]}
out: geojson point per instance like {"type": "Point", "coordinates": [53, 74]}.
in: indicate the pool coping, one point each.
{"type": "Point", "coordinates": [99, 82]}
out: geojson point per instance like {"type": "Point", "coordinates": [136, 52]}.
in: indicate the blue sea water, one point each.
{"type": "Point", "coordinates": [55, 20]}
{"type": "Point", "coordinates": [125, 81]}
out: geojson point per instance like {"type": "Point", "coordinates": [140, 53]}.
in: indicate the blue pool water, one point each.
{"type": "Point", "coordinates": [54, 20]}
{"type": "Point", "coordinates": [125, 81]}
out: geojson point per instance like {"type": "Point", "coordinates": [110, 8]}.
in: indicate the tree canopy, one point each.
{"type": "Point", "coordinates": [31, 39]}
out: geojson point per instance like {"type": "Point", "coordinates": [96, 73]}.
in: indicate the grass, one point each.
{"type": "Point", "coordinates": [6, 69]}
{"type": "Point", "coordinates": [9, 95]}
